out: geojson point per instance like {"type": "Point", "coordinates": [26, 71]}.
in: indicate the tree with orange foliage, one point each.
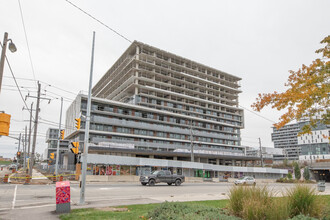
{"type": "Point", "coordinates": [307, 96]}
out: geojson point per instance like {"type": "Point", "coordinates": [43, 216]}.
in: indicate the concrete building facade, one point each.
{"type": "Point", "coordinates": [294, 146]}
{"type": "Point", "coordinates": [157, 105]}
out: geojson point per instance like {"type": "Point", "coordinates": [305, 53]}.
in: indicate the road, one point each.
{"type": "Point", "coordinates": [18, 201]}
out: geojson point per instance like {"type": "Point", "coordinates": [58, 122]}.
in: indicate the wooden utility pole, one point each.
{"type": "Point", "coordinates": [31, 160]}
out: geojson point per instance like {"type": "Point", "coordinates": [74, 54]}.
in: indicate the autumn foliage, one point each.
{"type": "Point", "coordinates": [307, 96]}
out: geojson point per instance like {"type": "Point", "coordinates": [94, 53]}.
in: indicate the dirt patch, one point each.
{"type": "Point", "coordinates": [112, 209]}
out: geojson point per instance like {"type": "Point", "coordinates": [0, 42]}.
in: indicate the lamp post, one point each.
{"type": "Point", "coordinates": [11, 47]}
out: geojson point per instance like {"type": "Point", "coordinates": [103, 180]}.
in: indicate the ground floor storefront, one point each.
{"type": "Point", "coordinates": [109, 165]}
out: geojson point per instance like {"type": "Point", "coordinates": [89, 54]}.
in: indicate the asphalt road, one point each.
{"type": "Point", "coordinates": [38, 201]}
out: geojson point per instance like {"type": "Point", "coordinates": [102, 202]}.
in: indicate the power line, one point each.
{"type": "Point", "coordinates": [257, 114]}
{"type": "Point", "coordinates": [12, 73]}
{"type": "Point", "coordinates": [122, 36]}
{"type": "Point", "coordinates": [26, 39]}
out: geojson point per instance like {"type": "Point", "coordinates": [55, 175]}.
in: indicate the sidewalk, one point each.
{"type": "Point", "coordinates": [20, 176]}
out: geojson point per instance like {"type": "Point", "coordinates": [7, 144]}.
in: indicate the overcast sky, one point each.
{"type": "Point", "coordinates": [259, 41]}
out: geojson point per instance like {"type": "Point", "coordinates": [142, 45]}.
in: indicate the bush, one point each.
{"type": "Point", "coordinates": [302, 217]}
{"type": "Point", "coordinates": [297, 173]}
{"type": "Point", "coordinates": [179, 211]}
{"type": "Point", "coordinates": [303, 200]}
{"type": "Point", "coordinates": [306, 173]}
{"type": "Point", "coordinates": [249, 202]}
{"type": "Point", "coordinates": [289, 175]}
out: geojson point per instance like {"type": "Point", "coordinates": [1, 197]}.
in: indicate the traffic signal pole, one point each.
{"type": "Point", "coordinates": [86, 140]}
{"type": "Point", "coordinates": [58, 140]}
{"type": "Point", "coordinates": [19, 146]}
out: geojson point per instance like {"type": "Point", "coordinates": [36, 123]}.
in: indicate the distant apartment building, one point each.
{"type": "Point", "coordinates": [157, 105]}
{"type": "Point", "coordinates": [287, 138]}
{"type": "Point", "coordinates": [51, 140]}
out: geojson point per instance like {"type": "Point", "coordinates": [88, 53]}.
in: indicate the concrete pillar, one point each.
{"type": "Point", "coordinates": [175, 158]}
{"type": "Point", "coordinates": [151, 156]}
{"type": "Point", "coordinates": [198, 159]}
{"type": "Point", "coordinates": [217, 161]}
{"type": "Point", "coordinates": [233, 162]}
{"type": "Point", "coordinates": [253, 163]}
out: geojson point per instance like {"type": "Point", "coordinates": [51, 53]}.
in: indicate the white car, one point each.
{"type": "Point", "coordinates": [246, 180]}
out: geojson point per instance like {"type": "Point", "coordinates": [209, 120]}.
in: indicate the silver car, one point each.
{"type": "Point", "coordinates": [246, 180]}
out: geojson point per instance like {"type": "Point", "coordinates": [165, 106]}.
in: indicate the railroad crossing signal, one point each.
{"type": "Point", "coordinates": [52, 156]}
{"type": "Point", "coordinates": [62, 134]}
{"type": "Point", "coordinates": [18, 154]}
{"type": "Point", "coordinates": [75, 147]}
{"type": "Point", "coordinates": [78, 121]}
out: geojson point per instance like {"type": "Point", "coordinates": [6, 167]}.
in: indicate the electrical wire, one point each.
{"type": "Point", "coordinates": [12, 73]}
{"type": "Point", "coordinates": [257, 114]}
{"type": "Point", "coordinates": [91, 16]}
{"type": "Point", "coordinates": [27, 42]}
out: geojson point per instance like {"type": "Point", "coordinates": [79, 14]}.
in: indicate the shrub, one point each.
{"type": "Point", "coordinates": [289, 175]}
{"type": "Point", "coordinates": [278, 210]}
{"type": "Point", "coordinates": [302, 217]}
{"type": "Point", "coordinates": [303, 200]}
{"type": "Point", "coordinates": [297, 173]}
{"type": "Point", "coordinates": [249, 202]}
{"type": "Point", "coordinates": [306, 173]}
{"type": "Point", "coordinates": [179, 211]}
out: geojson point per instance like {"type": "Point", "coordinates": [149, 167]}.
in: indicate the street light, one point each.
{"type": "Point", "coordinates": [11, 47]}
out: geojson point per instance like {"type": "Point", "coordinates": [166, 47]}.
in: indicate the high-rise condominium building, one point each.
{"type": "Point", "coordinates": [155, 104]}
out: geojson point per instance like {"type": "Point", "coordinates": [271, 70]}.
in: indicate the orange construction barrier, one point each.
{"type": "Point", "coordinates": [5, 179]}
{"type": "Point", "coordinates": [54, 179]}
{"type": "Point", "coordinates": [27, 180]}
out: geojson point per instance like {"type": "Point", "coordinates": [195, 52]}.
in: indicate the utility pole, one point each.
{"type": "Point", "coordinates": [30, 129]}
{"type": "Point", "coordinates": [31, 159]}
{"type": "Point", "coordinates": [86, 140]}
{"type": "Point", "coordinates": [30, 132]}
{"type": "Point", "coordinates": [58, 140]}
{"type": "Point", "coordinates": [25, 145]}
{"type": "Point", "coordinates": [262, 161]}
{"type": "Point", "coordinates": [191, 144]}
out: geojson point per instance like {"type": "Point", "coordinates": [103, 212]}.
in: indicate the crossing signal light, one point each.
{"type": "Point", "coordinates": [78, 120]}
{"type": "Point", "coordinates": [52, 156]}
{"type": "Point", "coordinates": [75, 147]}
{"type": "Point", "coordinates": [62, 134]}
{"type": "Point", "coordinates": [18, 154]}
{"type": "Point", "coordinates": [4, 124]}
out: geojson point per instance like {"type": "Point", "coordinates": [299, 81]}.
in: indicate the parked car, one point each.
{"type": "Point", "coordinates": [246, 180]}
{"type": "Point", "coordinates": [162, 176]}
{"type": "Point", "coordinates": [12, 166]}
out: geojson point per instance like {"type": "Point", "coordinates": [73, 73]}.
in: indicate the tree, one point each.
{"type": "Point", "coordinates": [297, 173]}
{"type": "Point", "coordinates": [307, 96]}
{"type": "Point", "coordinates": [306, 173]}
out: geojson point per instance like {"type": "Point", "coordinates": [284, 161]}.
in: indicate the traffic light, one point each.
{"type": "Point", "coordinates": [18, 154]}
{"type": "Point", "coordinates": [4, 124]}
{"type": "Point", "coordinates": [52, 156]}
{"type": "Point", "coordinates": [78, 120]}
{"type": "Point", "coordinates": [75, 147]}
{"type": "Point", "coordinates": [62, 134]}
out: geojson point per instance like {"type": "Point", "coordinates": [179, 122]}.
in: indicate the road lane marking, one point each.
{"type": "Point", "coordinates": [14, 199]}
{"type": "Point", "coordinates": [32, 207]}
